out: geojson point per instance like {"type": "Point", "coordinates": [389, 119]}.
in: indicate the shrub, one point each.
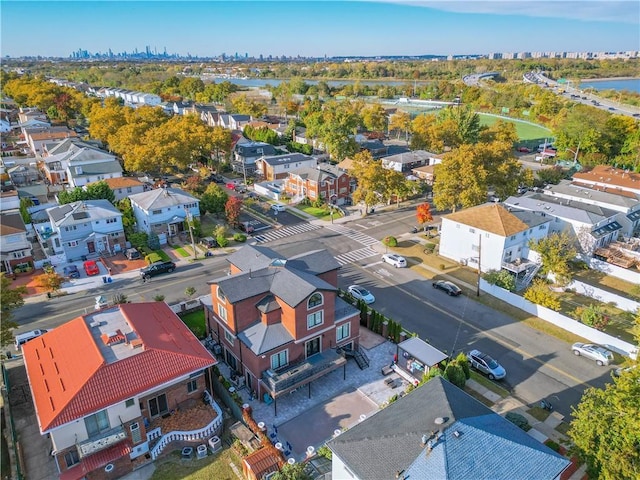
{"type": "Point", "coordinates": [159, 298]}
{"type": "Point", "coordinates": [240, 237]}
{"type": "Point", "coordinates": [222, 241]}
{"type": "Point", "coordinates": [553, 445]}
{"type": "Point", "coordinates": [455, 374]}
{"type": "Point", "coordinates": [152, 257]}
{"type": "Point", "coordinates": [540, 294]}
{"type": "Point", "coordinates": [390, 241]}
{"type": "Point", "coordinates": [463, 361]}
{"type": "Point", "coordinates": [501, 278]}
{"type": "Point", "coordinates": [593, 316]}
{"type": "Point", "coordinates": [518, 420]}
{"type": "Point", "coordinates": [429, 248]}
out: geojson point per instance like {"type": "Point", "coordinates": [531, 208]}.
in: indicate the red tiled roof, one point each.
{"type": "Point", "coordinates": [69, 378]}
{"type": "Point", "coordinates": [609, 176]}
{"type": "Point", "coordinates": [97, 460]}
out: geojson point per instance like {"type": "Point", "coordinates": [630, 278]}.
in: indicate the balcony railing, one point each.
{"type": "Point", "coordinates": [314, 366]}
{"type": "Point", "coordinates": [517, 266]}
{"type": "Point", "coordinates": [101, 441]}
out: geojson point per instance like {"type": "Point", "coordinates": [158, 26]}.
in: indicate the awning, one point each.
{"type": "Point", "coordinates": [422, 351]}
{"type": "Point", "coordinates": [176, 219]}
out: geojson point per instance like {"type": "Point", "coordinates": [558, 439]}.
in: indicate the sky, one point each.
{"type": "Point", "coordinates": [317, 28]}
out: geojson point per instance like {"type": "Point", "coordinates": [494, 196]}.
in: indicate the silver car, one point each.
{"type": "Point", "coordinates": [601, 355]}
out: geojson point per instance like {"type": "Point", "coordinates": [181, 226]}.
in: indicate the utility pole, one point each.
{"type": "Point", "coordinates": [479, 263]}
{"type": "Point", "coordinates": [190, 225]}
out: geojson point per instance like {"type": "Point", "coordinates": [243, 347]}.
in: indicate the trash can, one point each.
{"type": "Point", "coordinates": [104, 279]}
{"type": "Point", "coordinates": [8, 354]}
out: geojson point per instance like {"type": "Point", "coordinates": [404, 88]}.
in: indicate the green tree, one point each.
{"type": "Point", "coordinates": [128, 219]}
{"type": "Point", "coordinates": [606, 428]}
{"type": "Point", "coordinates": [190, 291]}
{"type": "Point", "coordinates": [466, 124]}
{"type": "Point", "coordinates": [455, 374]}
{"type": "Point", "coordinates": [25, 203]}
{"type": "Point", "coordinates": [213, 200]}
{"type": "Point", "coordinates": [501, 278]}
{"type": "Point", "coordinates": [539, 293]}
{"type": "Point", "coordinates": [557, 250]}
{"type": "Point", "coordinates": [10, 299]}
{"type": "Point", "coordinates": [100, 191]}
{"type": "Point", "coordinates": [74, 195]}
{"type": "Point", "coordinates": [292, 472]}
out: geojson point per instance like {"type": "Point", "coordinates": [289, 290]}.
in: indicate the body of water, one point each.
{"type": "Point", "coordinates": [631, 84]}
{"type": "Point", "coordinates": [261, 82]}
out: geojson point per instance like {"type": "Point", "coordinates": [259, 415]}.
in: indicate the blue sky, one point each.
{"type": "Point", "coordinates": [308, 28]}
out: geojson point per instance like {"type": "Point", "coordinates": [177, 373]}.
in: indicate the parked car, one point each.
{"type": "Point", "coordinates": [449, 287]}
{"type": "Point", "coordinates": [278, 208]}
{"type": "Point", "coordinates": [601, 355]}
{"type": "Point", "coordinates": [132, 253]}
{"type": "Point", "coordinates": [209, 242]}
{"type": "Point", "coordinates": [91, 267]}
{"type": "Point", "coordinates": [71, 271]}
{"type": "Point", "coordinates": [361, 293]}
{"type": "Point", "coordinates": [240, 188]}
{"type": "Point", "coordinates": [231, 185]}
{"type": "Point", "coordinates": [157, 268]}
{"type": "Point", "coordinates": [214, 177]}
{"type": "Point", "coordinates": [485, 364]}
{"type": "Point", "coordinates": [22, 338]}
{"type": "Point", "coordinates": [395, 260]}
{"type": "Point", "coordinates": [524, 149]}
{"type": "Point", "coordinates": [245, 227]}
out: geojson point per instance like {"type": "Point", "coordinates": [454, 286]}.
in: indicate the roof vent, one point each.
{"type": "Point", "coordinates": [456, 434]}
{"type": "Point", "coordinates": [95, 323]}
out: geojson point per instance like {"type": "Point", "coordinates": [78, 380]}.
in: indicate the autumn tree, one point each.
{"type": "Point", "coordinates": [460, 180]}
{"type": "Point", "coordinates": [556, 251]}
{"type": "Point", "coordinates": [539, 293]}
{"type": "Point", "coordinates": [371, 178]}
{"type": "Point", "coordinates": [10, 299]}
{"type": "Point", "coordinates": [423, 213]}
{"type": "Point", "coordinates": [232, 210]}
{"type": "Point", "coordinates": [50, 281]}
{"type": "Point", "coordinates": [213, 200]}
{"type": "Point", "coordinates": [424, 135]}
{"type": "Point", "coordinates": [374, 117]}
{"type": "Point", "coordinates": [400, 122]}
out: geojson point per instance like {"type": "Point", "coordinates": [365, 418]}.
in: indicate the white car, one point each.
{"type": "Point", "coordinates": [361, 293]}
{"type": "Point", "coordinates": [395, 260]}
{"type": "Point", "coordinates": [278, 208]}
{"type": "Point", "coordinates": [601, 355]}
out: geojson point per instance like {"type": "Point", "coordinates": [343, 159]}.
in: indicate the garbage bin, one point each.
{"type": "Point", "coordinates": [48, 294]}
{"type": "Point", "coordinates": [104, 279]}
{"type": "Point", "coordinates": [8, 354]}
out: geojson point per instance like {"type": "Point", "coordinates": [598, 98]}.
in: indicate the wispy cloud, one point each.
{"type": "Point", "coordinates": [590, 10]}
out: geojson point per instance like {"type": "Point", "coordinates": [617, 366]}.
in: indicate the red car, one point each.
{"type": "Point", "coordinates": [231, 186]}
{"type": "Point", "coordinates": [524, 150]}
{"type": "Point", "coordinates": [91, 267]}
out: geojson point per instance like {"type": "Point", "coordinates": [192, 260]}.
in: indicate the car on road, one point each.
{"type": "Point", "coordinates": [91, 267]}
{"type": "Point", "coordinates": [485, 364]}
{"type": "Point", "coordinates": [71, 271]}
{"type": "Point", "coordinates": [157, 268]}
{"type": "Point", "coordinates": [449, 287]}
{"type": "Point", "coordinates": [524, 149]}
{"type": "Point", "coordinates": [395, 260]}
{"type": "Point", "coordinates": [214, 177]}
{"type": "Point", "coordinates": [231, 185]}
{"type": "Point", "coordinates": [278, 208]}
{"type": "Point", "coordinates": [361, 293]}
{"type": "Point", "coordinates": [240, 188]}
{"type": "Point", "coordinates": [245, 227]}
{"type": "Point", "coordinates": [601, 355]}
{"type": "Point", "coordinates": [611, 108]}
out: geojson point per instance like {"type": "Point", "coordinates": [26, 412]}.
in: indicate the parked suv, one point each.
{"type": "Point", "coordinates": [485, 364]}
{"type": "Point", "coordinates": [157, 268]}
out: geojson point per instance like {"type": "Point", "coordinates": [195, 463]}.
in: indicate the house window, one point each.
{"type": "Point", "coordinates": [71, 458]}
{"type": "Point", "coordinates": [221, 296]}
{"type": "Point", "coordinates": [279, 360]}
{"type": "Point", "coordinates": [158, 405]}
{"type": "Point", "coordinates": [314, 300]}
{"type": "Point", "coordinates": [472, 230]}
{"type": "Point", "coordinates": [192, 385]}
{"type": "Point", "coordinates": [343, 331]}
{"type": "Point", "coordinates": [96, 423]}
{"type": "Point", "coordinates": [228, 337]}
{"type": "Point", "coordinates": [112, 220]}
{"type": "Point", "coordinates": [513, 237]}
{"type": "Point", "coordinates": [129, 190]}
{"type": "Point", "coordinates": [136, 436]}
{"type": "Point", "coordinates": [486, 235]}
{"type": "Point", "coordinates": [18, 254]}
{"type": "Point", "coordinates": [314, 319]}
{"type": "Point", "coordinates": [156, 212]}
{"type": "Point", "coordinates": [312, 347]}
{"type": "Point", "coordinates": [222, 313]}
{"type": "Point", "coordinates": [129, 403]}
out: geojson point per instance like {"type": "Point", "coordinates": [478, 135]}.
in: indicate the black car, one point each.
{"type": "Point", "coordinates": [215, 178]}
{"type": "Point", "coordinates": [450, 288]}
{"type": "Point", "coordinates": [157, 268]}
{"type": "Point", "coordinates": [245, 227]}
{"type": "Point", "coordinates": [71, 271]}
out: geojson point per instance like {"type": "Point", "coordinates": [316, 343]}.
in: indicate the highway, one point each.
{"type": "Point", "coordinates": [538, 366]}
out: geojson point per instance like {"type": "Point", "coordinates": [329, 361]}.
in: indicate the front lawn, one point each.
{"type": "Point", "coordinates": [195, 322]}
{"type": "Point", "coordinates": [218, 466]}
{"type": "Point", "coordinates": [320, 212]}
{"type": "Point", "coordinates": [181, 251]}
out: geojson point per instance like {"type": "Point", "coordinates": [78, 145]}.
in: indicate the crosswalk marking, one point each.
{"type": "Point", "coordinates": [356, 255]}
{"type": "Point", "coordinates": [285, 232]}
{"type": "Point", "coordinates": [357, 236]}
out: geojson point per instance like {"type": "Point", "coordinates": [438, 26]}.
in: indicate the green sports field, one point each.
{"type": "Point", "coordinates": [525, 131]}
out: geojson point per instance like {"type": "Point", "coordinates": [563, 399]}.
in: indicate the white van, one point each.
{"type": "Point", "coordinates": [23, 338]}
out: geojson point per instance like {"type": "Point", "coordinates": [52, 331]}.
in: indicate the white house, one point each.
{"type": "Point", "coordinates": [407, 161]}
{"type": "Point", "coordinates": [78, 163]}
{"type": "Point", "coordinates": [164, 211]}
{"type": "Point", "coordinates": [493, 235]}
{"type": "Point", "coordinates": [276, 167]}
{"type": "Point", "coordinates": [83, 229]}
{"type": "Point", "coordinates": [102, 383]}
{"type": "Point", "coordinates": [123, 187]}
{"type": "Point", "coordinates": [15, 249]}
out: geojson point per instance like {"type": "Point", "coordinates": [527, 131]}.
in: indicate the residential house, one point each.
{"type": "Point", "coordinates": [102, 382]}
{"type": "Point", "coordinates": [610, 179]}
{"type": "Point", "coordinates": [203, 111]}
{"type": "Point", "coordinates": [245, 156]}
{"type": "Point", "coordinates": [375, 147]}
{"type": "Point", "coordinates": [83, 229]}
{"type": "Point", "coordinates": [426, 173]}
{"type": "Point", "coordinates": [495, 236]}
{"type": "Point", "coordinates": [593, 226]}
{"type": "Point", "coordinates": [407, 161]}
{"type": "Point", "coordinates": [78, 163]}
{"type": "Point", "coordinates": [123, 187]}
{"type": "Point", "coordinates": [623, 201]}
{"type": "Point", "coordinates": [30, 113]}
{"type": "Point", "coordinates": [9, 198]}
{"type": "Point", "coordinates": [179, 108]}
{"type": "Point", "coordinates": [15, 248]}
{"type": "Point", "coordinates": [36, 138]}
{"type": "Point", "coordinates": [82, 172]}
{"type": "Point", "coordinates": [279, 321]}
{"type": "Point", "coordinates": [438, 431]}
{"type": "Point", "coordinates": [276, 167]}
{"type": "Point", "coordinates": [33, 124]}
{"type": "Point", "coordinates": [235, 121]}
{"type": "Point", "coordinates": [23, 174]}
{"type": "Point", "coordinates": [325, 181]}
{"type": "Point", "coordinates": [5, 125]}
{"type": "Point", "coordinates": [164, 211]}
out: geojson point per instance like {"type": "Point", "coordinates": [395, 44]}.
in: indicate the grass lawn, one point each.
{"type": "Point", "coordinates": [319, 212]}
{"type": "Point", "coordinates": [216, 466]}
{"type": "Point", "coordinates": [195, 322]}
{"type": "Point", "coordinates": [182, 252]}
{"type": "Point", "coordinates": [489, 384]}
{"type": "Point", "coordinates": [539, 413]}
{"type": "Point", "coordinates": [609, 283]}
{"type": "Point", "coordinates": [481, 398]}
{"type": "Point", "coordinates": [563, 428]}
{"type": "Point", "coordinates": [524, 130]}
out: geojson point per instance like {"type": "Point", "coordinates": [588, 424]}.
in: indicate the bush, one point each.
{"type": "Point", "coordinates": [553, 445]}
{"type": "Point", "coordinates": [152, 257]}
{"type": "Point", "coordinates": [518, 420]}
{"type": "Point", "coordinates": [240, 237]}
{"type": "Point", "coordinates": [159, 298]}
{"type": "Point", "coordinates": [390, 241]}
{"type": "Point", "coordinates": [222, 241]}
{"type": "Point", "coordinates": [593, 316]}
{"type": "Point", "coordinates": [501, 278]}
{"type": "Point", "coordinates": [429, 248]}
{"type": "Point", "coordinates": [540, 294]}
{"type": "Point", "coordinates": [455, 374]}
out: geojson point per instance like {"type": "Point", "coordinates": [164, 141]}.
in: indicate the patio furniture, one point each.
{"type": "Point", "coordinates": [267, 399]}
{"type": "Point", "coordinates": [387, 370]}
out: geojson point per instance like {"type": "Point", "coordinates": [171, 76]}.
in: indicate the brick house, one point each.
{"type": "Point", "coordinates": [277, 167]}
{"type": "Point", "coordinates": [326, 181]}
{"type": "Point", "coordinates": [139, 363]}
{"type": "Point", "coordinates": [279, 322]}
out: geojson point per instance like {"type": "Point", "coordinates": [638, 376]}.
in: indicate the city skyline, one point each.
{"type": "Point", "coordinates": [317, 29]}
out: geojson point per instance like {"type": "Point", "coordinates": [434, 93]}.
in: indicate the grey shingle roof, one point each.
{"type": "Point", "coordinates": [286, 159]}
{"type": "Point", "coordinates": [252, 257]}
{"type": "Point", "coordinates": [261, 338]}
{"type": "Point", "coordinates": [89, 169]}
{"type": "Point", "coordinates": [561, 208]}
{"type": "Point", "coordinates": [391, 441]}
{"type": "Point", "coordinates": [162, 197]}
{"type": "Point", "coordinates": [610, 197]}
{"type": "Point", "coordinates": [82, 212]}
